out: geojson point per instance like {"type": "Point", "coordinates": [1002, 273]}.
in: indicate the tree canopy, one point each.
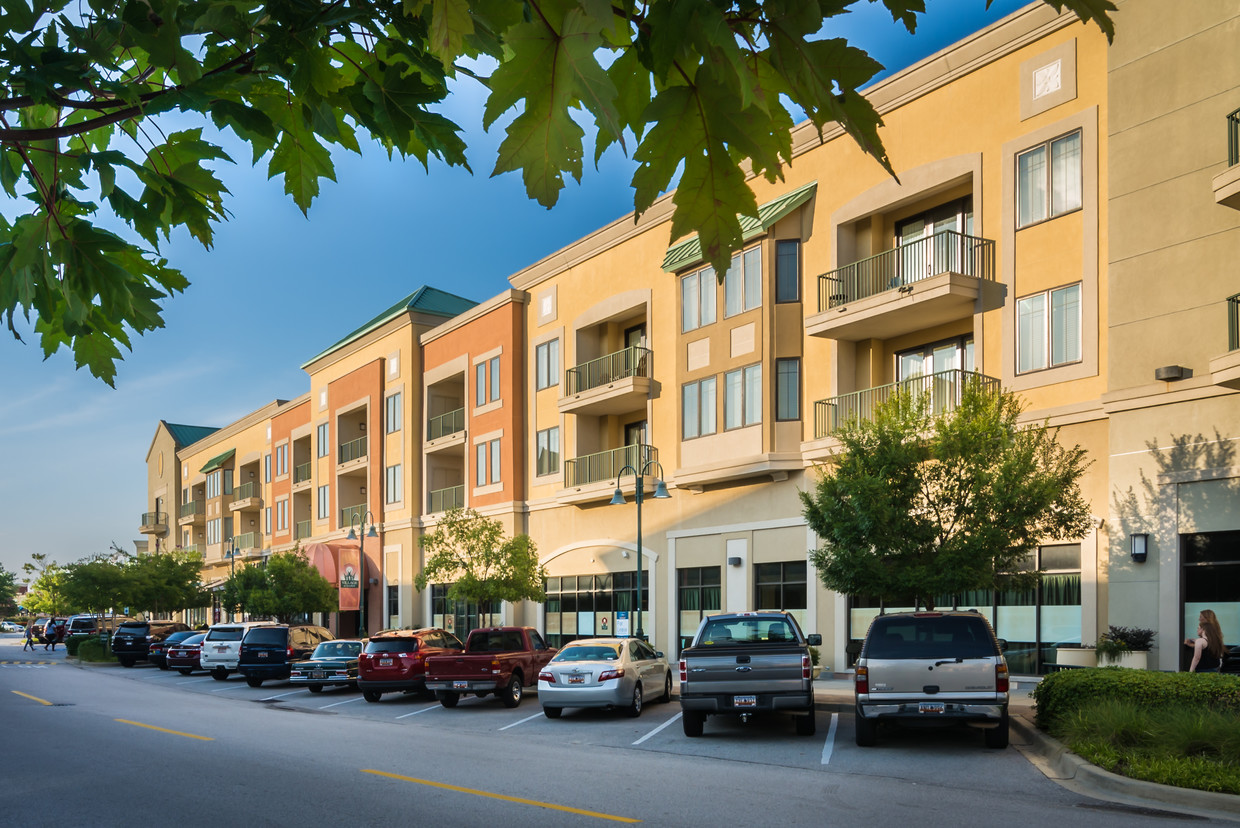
{"type": "Point", "coordinates": [46, 579]}
{"type": "Point", "coordinates": [470, 553]}
{"type": "Point", "coordinates": [8, 590]}
{"type": "Point", "coordinates": [917, 506]}
{"type": "Point", "coordinates": [702, 90]}
{"type": "Point", "coordinates": [156, 584]}
{"type": "Point", "coordinates": [285, 587]}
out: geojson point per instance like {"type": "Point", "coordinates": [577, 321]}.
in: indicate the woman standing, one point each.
{"type": "Point", "coordinates": [1208, 646]}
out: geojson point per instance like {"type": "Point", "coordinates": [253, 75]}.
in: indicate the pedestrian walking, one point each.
{"type": "Point", "coordinates": [29, 637]}
{"type": "Point", "coordinates": [1208, 647]}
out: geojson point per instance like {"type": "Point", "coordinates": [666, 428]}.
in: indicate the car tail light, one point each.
{"type": "Point", "coordinates": [684, 671]}
{"type": "Point", "coordinates": [547, 677]}
{"type": "Point", "coordinates": [1001, 678]}
{"type": "Point", "coordinates": [807, 667]}
{"type": "Point", "coordinates": [607, 675]}
{"type": "Point", "coordinates": [863, 680]}
{"type": "Point", "coordinates": [495, 666]}
{"type": "Point", "coordinates": [288, 652]}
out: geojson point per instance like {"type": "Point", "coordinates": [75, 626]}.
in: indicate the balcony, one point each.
{"type": "Point", "coordinates": [944, 388]}
{"type": "Point", "coordinates": [612, 384]}
{"type": "Point", "coordinates": [301, 530]}
{"type": "Point", "coordinates": [1225, 369]}
{"type": "Point", "coordinates": [154, 523]}
{"type": "Point", "coordinates": [248, 542]}
{"type": "Point", "coordinates": [191, 549]}
{"type": "Point", "coordinates": [445, 431]}
{"type": "Point", "coordinates": [301, 473]}
{"type": "Point", "coordinates": [1227, 183]}
{"type": "Point", "coordinates": [193, 513]}
{"type": "Point", "coordinates": [918, 285]}
{"type": "Point", "coordinates": [247, 496]}
{"type": "Point", "coordinates": [349, 513]}
{"type": "Point", "coordinates": [352, 450]}
{"type": "Point", "coordinates": [441, 500]}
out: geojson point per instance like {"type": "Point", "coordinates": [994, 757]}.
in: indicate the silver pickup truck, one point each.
{"type": "Point", "coordinates": [744, 662]}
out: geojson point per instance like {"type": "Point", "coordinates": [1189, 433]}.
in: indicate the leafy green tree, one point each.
{"type": "Point", "coordinates": [702, 89]}
{"type": "Point", "coordinates": [99, 585]}
{"type": "Point", "coordinates": [284, 588]}
{"type": "Point", "coordinates": [470, 553]}
{"type": "Point", "coordinates": [8, 590]}
{"type": "Point", "coordinates": [243, 591]}
{"type": "Point", "coordinates": [916, 506]}
{"type": "Point", "coordinates": [165, 582]}
{"type": "Point", "coordinates": [46, 579]}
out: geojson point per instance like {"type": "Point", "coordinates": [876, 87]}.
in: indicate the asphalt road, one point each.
{"type": "Point", "coordinates": [104, 746]}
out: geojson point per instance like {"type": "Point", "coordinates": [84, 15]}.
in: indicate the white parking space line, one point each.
{"type": "Point", "coordinates": [196, 681]}
{"type": "Point", "coordinates": [829, 747]}
{"type": "Point", "coordinates": [423, 710]}
{"type": "Point", "coordinates": [282, 695]}
{"type": "Point", "coordinates": [230, 687]}
{"type": "Point", "coordinates": [337, 704]}
{"type": "Point", "coordinates": [523, 721]}
{"type": "Point", "coordinates": [659, 728]}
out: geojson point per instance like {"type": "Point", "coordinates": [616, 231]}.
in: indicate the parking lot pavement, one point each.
{"type": "Point", "coordinates": [12, 654]}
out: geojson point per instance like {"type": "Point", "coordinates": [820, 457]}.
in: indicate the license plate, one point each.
{"type": "Point", "coordinates": [263, 655]}
{"type": "Point", "coordinates": [576, 679]}
{"type": "Point", "coordinates": [221, 649]}
{"type": "Point", "coordinates": [460, 685]}
{"type": "Point", "coordinates": [930, 707]}
{"type": "Point", "coordinates": [318, 674]}
{"type": "Point", "coordinates": [744, 701]}
{"type": "Point", "coordinates": [385, 662]}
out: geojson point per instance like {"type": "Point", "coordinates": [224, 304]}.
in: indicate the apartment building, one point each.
{"type": "Point", "coordinates": [1038, 235]}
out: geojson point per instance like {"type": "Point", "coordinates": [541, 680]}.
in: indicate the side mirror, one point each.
{"type": "Point", "coordinates": [658, 654]}
{"type": "Point", "coordinates": [1003, 645]}
{"type": "Point", "coordinates": [814, 639]}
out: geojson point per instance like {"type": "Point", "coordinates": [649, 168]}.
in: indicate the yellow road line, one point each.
{"type": "Point", "coordinates": [166, 730]}
{"type": "Point", "coordinates": [489, 795]}
{"type": "Point", "coordinates": [33, 698]}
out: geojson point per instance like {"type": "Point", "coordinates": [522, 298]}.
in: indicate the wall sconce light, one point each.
{"type": "Point", "coordinates": [361, 426]}
{"type": "Point", "coordinates": [251, 523]}
{"type": "Point", "coordinates": [362, 490]}
{"type": "Point", "coordinates": [1139, 541]}
{"type": "Point", "coordinates": [734, 561]}
{"type": "Point", "coordinates": [251, 474]}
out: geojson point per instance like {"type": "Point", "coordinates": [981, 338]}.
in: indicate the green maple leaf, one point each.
{"type": "Point", "coordinates": [302, 161]}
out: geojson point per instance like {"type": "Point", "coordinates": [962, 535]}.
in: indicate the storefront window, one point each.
{"type": "Point", "coordinates": [584, 606]}
{"type": "Point", "coordinates": [698, 594]}
{"type": "Point", "coordinates": [459, 617]}
{"type": "Point", "coordinates": [1211, 564]}
{"type": "Point", "coordinates": [782, 586]}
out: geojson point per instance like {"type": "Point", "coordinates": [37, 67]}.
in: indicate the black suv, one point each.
{"type": "Point", "coordinates": [268, 652]}
{"type": "Point", "coordinates": [132, 641]}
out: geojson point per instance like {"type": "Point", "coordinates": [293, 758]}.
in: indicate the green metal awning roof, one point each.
{"type": "Point", "coordinates": [219, 460]}
{"type": "Point", "coordinates": [689, 252]}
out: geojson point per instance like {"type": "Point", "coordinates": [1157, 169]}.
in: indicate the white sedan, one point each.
{"type": "Point", "coordinates": [11, 626]}
{"type": "Point", "coordinates": [604, 672]}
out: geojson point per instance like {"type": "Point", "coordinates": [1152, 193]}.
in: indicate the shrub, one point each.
{"type": "Point", "coordinates": [95, 649]}
{"type": "Point", "coordinates": [1061, 694]}
{"type": "Point", "coordinates": [73, 642]}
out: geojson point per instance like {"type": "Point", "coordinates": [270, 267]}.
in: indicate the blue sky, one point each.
{"type": "Point", "coordinates": [278, 287]}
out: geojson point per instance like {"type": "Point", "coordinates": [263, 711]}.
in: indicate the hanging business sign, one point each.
{"type": "Point", "coordinates": [350, 579]}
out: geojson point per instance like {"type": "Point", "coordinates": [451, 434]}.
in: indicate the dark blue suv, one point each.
{"type": "Point", "coordinates": [268, 652]}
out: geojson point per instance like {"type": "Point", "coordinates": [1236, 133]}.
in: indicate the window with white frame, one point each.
{"type": "Point", "coordinates": [480, 464]}
{"type": "Point", "coordinates": [1048, 180]}
{"type": "Point", "coordinates": [495, 477]}
{"type": "Point", "coordinates": [325, 502]}
{"type": "Point", "coordinates": [548, 450]}
{"type": "Point", "coordinates": [323, 440]}
{"type": "Point", "coordinates": [267, 520]}
{"type": "Point", "coordinates": [392, 491]}
{"type": "Point", "coordinates": [494, 378]}
{"type": "Point", "coordinates": [266, 468]}
{"type": "Point", "coordinates": [391, 420]}
{"type": "Point", "coordinates": [282, 515]}
{"type": "Point", "coordinates": [213, 484]}
{"type": "Point", "coordinates": [480, 384]}
{"type": "Point", "coordinates": [1048, 329]}
{"type": "Point", "coordinates": [742, 397]}
{"type": "Point", "coordinates": [697, 299]}
{"type": "Point", "coordinates": [788, 389]}
{"type": "Point", "coordinates": [282, 460]}
{"type": "Point", "coordinates": [547, 364]}
{"type": "Point", "coordinates": [742, 286]}
{"type": "Point", "coordinates": [213, 530]}
{"type": "Point", "coordinates": [698, 408]}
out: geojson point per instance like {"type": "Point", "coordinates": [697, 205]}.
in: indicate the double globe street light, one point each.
{"type": "Point", "coordinates": [356, 534]}
{"type": "Point", "coordinates": [660, 493]}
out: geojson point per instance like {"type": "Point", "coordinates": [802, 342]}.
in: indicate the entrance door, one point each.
{"type": "Point", "coordinates": [1210, 564]}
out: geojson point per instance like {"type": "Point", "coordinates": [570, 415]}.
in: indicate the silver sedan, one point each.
{"type": "Point", "coordinates": [604, 672]}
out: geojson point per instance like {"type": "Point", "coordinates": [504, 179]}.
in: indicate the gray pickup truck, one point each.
{"type": "Point", "coordinates": [743, 662]}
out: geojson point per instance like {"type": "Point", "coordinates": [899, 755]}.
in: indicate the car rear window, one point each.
{"type": "Point", "coordinates": [393, 645]}
{"type": "Point", "coordinates": [267, 635]}
{"type": "Point", "coordinates": [338, 649]}
{"type": "Point", "coordinates": [191, 640]}
{"type": "Point", "coordinates": [132, 629]}
{"type": "Point", "coordinates": [594, 652]}
{"type": "Point", "coordinates": [931, 637]}
{"type": "Point", "coordinates": [226, 634]}
{"type": "Point", "coordinates": [725, 633]}
{"type": "Point", "coordinates": [498, 641]}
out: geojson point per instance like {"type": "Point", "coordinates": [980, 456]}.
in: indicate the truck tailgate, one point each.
{"type": "Point", "coordinates": [725, 670]}
{"type": "Point", "coordinates": [914, 676]}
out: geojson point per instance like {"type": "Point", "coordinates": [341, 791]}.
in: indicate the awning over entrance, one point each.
{"type": "Point", "coordinates": [323, 557]}
{"type": "Point", "coordinates": [219, 460]}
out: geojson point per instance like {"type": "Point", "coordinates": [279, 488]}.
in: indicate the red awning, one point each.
{"type": "Point", "coordinates": [323, 558]}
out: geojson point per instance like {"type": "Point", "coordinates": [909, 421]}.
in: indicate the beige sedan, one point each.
{"type": "Point", "coordinates": [616, 673]}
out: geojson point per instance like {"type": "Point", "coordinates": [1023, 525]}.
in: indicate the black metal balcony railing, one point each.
{"type": "Point", "coordinates": [944, 389]}
{"type": "Point", "coordinates": [633, 361]}
{"type": "Point", "coordinates": [442, 500]}
{"type": "Point", "coordinates": [444, 424]}
{"type": "Point", "coordinates": [248, 490]}
{"type": "Point", "coordinates": [945, 252]}
{"type": "Point", "coordinates": [194, 507]}
{"type": "Point", "coordinates": [606, 465]}
{"type": "Point", "coordinates": [1233, 322]}
{"type": "Point", "coordinates": [154, 518]}
{"type": "Point", "coordinates": [352, 450]}
{"type": "Point", "coordinates": [301, 473]}
{"type": "Point", "coordinates": [1233, 138]}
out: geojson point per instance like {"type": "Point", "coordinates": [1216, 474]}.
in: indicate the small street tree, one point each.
{"type": "Point", "coordinates": [46, 579]}
{"type": "Point", "coordinates": [242, 592]}
{"type": "Point", "coordinates": [164, 582]}
{"type": "Point", "coordinates": [470, 553]}
{"type": "Point", "coordinates": [284, 588]}
{"type": "Point", "coordinates": [8, 590]}
{"type": "Point", "coordinates": [98, 585]}
{"type": "Point", "coordinates": [916, 506]}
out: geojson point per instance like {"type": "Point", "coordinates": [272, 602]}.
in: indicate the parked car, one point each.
{"type": "Point", "coordinates": [183, 655]}
{"type": "Point", "coordinates": [1231, 661]}
{"type": "Point", "coordinates": [932, 668]}
{"type": "Point", "coordinates": [222, 646]}
{"type": "Point", "coordinates": [395, 661]}
{"type": "Point", "coordinates": [89, 624]}
{"type": "Point", "coordinates": [499, 660]}
{"type": "Point", "coordinates": [158, 651]}
{"type": "Point", "coordinates": [11, 626]}
{"type": "Point", "coordinates": [332, 664]}
{"type": "Point", "coordinates": [268, 652]}
{"type": "Point", "coordinates": [619, 673]}
{"type": "Point", "coordinates": [132, 641]}
{"type": "Point", "coordinates": [51, 629]}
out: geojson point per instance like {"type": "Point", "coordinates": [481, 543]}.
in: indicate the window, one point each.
{"type": "Point", "coordinates": [480, 383]}
{"type": "Point", "coordinates": [742, 286]}
{"type": "Point", "coordinates": [698, 593]}
{"type": "Point", "coordinates": [585, 606]}
{"type": "Point", "coordinates": [788, 389]}
{"type": "Point", "coordinates": [1047, 339]}
{"type": "Point", "coordinates": [282, 460]}
{"type": "Point", "coordinates": [480, 464]}
{"type": "Point", "coordinates": [1048, 180]}
{"type": "Point", "coordinates": [323, 440]}
{"type": "Point", "coordinates": [213, 531]}
{"type": "Point", "coordinates": [548, 449]}
{"type": "Point", "coordinates": [494, 379]}
{"type": "Point", "coordinates": [787, 271]}
{"type": "Point", "coordinates": [266, 468]}
{"type": "Point", "coordinates": [213, 484]}
{"type": "Point", "coordinates": [495, 478]}
{"type": "Point", "coordinates": [547, 364]}
{"type": "Point", "coordinates": [782, 586]}
{"type": "Point", "coordinates": [697, 299]}
{"type": "Point", "coordinates": [742, 397]}
{"type": "Point", "coordinates": [698, 415]}
{"type": "Point", "coordinates": [393, 604]}
{"type": "Point", "coordinates": [392, 490]}
{"type": "Point", "coordinates": [282, 515]}
{"type": "Point", "coordinates": [228, 481]}
{"type": "Point", "coordinates": [324, 502]}
{"type": "Point", "coordinates": [267, 521]}
{"type": "Point", "coordinates": [392, 409]}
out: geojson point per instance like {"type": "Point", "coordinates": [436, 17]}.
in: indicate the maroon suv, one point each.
{"type": "Point", "coordinates": [396, 661]}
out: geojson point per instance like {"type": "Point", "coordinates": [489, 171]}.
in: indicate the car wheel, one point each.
{"type": "Point", "coordinates": [185, 671]}
{"type": "Point", "coordinates": [449, 699]}
{"type": "Point", "coordinates": [126, 661]}
{"type": "Point", "coordinates": [867, 731]}
{"type": "Point", "coordinates": [254, 681]}
{"type": "Point", "coordinates": [807, 725]}
{"type": "Point", "coordinates": [371, 695]}
{"type": "Point", "coordinates": [667, 689]}
{"type": "Point", "coordinates": [553, 712]}
{"type": "Point", "coordinates": [315, 688]}
{"type": "Point", "coordinates": [219, 674]}
{"type": "Point", "coordinates": [635, 707]}
{"type": "Point", "coordinates": [514, 692]}
{"type": "Point", "coordinates": [163, 665]}
{"type": "Point", "coordinates": [997, 737]}
{"type": "Point", "coordinates": [692, 720]}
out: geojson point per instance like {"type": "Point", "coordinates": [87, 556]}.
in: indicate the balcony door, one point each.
{"type": "Point", "coordinates": [924, 253]}
{"type": "Point", "coordinates": [934, 369]}
{"type": "Point", "coordinates": [635, 361]}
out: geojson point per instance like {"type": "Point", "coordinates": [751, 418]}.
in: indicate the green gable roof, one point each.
{"type": "Point", "coordinates": [689, 252]}
{"type": "Point", "coordinates": [219, 460]}
{"type": "Point", "coordinates": [423, 300]}
{"type": "Point", "coordinates": [184, 435]}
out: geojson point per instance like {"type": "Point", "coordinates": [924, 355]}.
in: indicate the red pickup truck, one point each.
{"type": "Point", "coordinates": [500, 660]}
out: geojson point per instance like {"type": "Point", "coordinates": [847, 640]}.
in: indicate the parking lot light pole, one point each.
{"type": "Point", "coordinates": [231, 554]}
{"type": "Point", "coordinates": [361, 547]}
{"type": "Point", "coordinates": [660, 493]}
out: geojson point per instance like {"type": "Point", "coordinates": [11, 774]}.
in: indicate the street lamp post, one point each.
{"type": "Point", "coordinates": [361, 547]}
{"type": "Point", "coordinates": [231, 554]}
{"type": "Point", "coordinates": [660, 493]}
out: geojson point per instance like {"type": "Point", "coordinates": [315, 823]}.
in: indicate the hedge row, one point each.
{"type": "Point", "coordinates": [1060, 694]}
